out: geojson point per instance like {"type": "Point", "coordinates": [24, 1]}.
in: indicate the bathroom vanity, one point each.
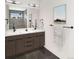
{"type": "Point", "coordinates": [24, 42]}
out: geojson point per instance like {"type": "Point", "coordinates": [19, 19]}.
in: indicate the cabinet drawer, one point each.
{"type": "Point", "coordinates": [28, 40]}
{"type": "Point", "coordinates": [28, 43]}
{"type": "Point", "coordinates": [28, 47]}
{"type": "Point", "coordinates": [40, 34]}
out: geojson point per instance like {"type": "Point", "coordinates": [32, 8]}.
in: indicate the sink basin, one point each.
{"type": "Point", "coordinates": [30, 29]}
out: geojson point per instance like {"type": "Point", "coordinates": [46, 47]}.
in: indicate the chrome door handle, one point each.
{"type": "Point", "coordinates": [71, 27]}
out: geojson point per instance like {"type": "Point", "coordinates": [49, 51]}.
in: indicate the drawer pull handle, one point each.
{"type": "Point", "coordinates": [10, 40]}
{"type": "Point", "coordinates": [29, 37]}
{"type": "Point", "coordinates": [28, 41]}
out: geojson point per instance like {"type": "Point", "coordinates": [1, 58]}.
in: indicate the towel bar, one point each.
{"type": "Point", "coordinates": [71, 27]}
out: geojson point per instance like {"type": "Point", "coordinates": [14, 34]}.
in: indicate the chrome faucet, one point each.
{"type": "Point", "coordinates": [35, 27]}
{"type": "Point", "coordinates": [35, 24]}
{"type": "Point", "coordinates": [14, 28]}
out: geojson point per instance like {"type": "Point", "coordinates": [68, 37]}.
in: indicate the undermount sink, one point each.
{"type": "Point", "coordinates": [30, 29]}
{"type": "Point", "coordinates": [22, 31]}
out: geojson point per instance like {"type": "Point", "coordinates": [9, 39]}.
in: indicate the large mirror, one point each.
{"type": "Point", "coordinates": [24, 14]}
{"type": "Point", "coordinates": [60, 14]}
{"type": "Point", "coordinates": [16, 18]}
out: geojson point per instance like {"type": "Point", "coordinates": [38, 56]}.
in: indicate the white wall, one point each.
{"type": "Point", "coordinates": [6, 16]}
{"type": "Point", "coordinates": [46, 13]}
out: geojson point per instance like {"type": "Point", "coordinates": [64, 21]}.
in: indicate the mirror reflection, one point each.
{"type": "Point", "coordinates": [60, 14]}
{"type": "Point", "coordinates": [16, 19]}
{"type": "Point", "coordinates": [22, 14]}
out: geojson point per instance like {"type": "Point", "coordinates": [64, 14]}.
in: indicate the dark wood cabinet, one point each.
{"type": "Point", "coordinates": [28, 43]}
{"type": "Point", "coordinates": [42, 40]}
{"type": "Point", "coordinates": [19, 46]}
{"type": "Point", "coordinates": [36, 42]}
{"type": "Point", "coordinates": [9, 47]}
{"type": "Point", "coordinates": [15, 45]}
{"type": "Point", "coordinates": [39, 40]}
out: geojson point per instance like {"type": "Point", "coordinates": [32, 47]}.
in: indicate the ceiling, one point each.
{"type": "Point", "coordinates": [23, 4]}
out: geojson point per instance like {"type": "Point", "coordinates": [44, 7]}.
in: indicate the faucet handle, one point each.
{"type": "Point", "coordinates": [33, 26]}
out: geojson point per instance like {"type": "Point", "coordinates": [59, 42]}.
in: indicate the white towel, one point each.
{"type": "Point", "coordinates": [58, 36]}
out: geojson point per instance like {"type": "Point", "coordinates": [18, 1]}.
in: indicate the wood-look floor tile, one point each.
{"type": "Point", "coordinates": [39, 54]}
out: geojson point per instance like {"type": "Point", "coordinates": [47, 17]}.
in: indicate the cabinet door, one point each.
{"type": "Point", "coordinates": [9, 47]}
{"type": "Point", "coordinates": [42, 40]}
{"type": "Point", "coordinates": [39, 40]}
{"type": "Point", "coordinates": [19, 46]}
{"type": "Point", "coordinates": [36, 42]}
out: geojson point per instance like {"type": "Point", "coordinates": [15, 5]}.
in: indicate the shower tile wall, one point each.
{"type": "Point", "coordinates": [18, 23]}
{"type": "Point", "coordinates": [16, 17]}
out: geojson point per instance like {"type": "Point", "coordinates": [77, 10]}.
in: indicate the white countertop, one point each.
{"type": "Point", "coordinates": [21, 31]}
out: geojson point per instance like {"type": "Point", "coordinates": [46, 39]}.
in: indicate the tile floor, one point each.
{"type": "Point", "coordinates": [38, 54]}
